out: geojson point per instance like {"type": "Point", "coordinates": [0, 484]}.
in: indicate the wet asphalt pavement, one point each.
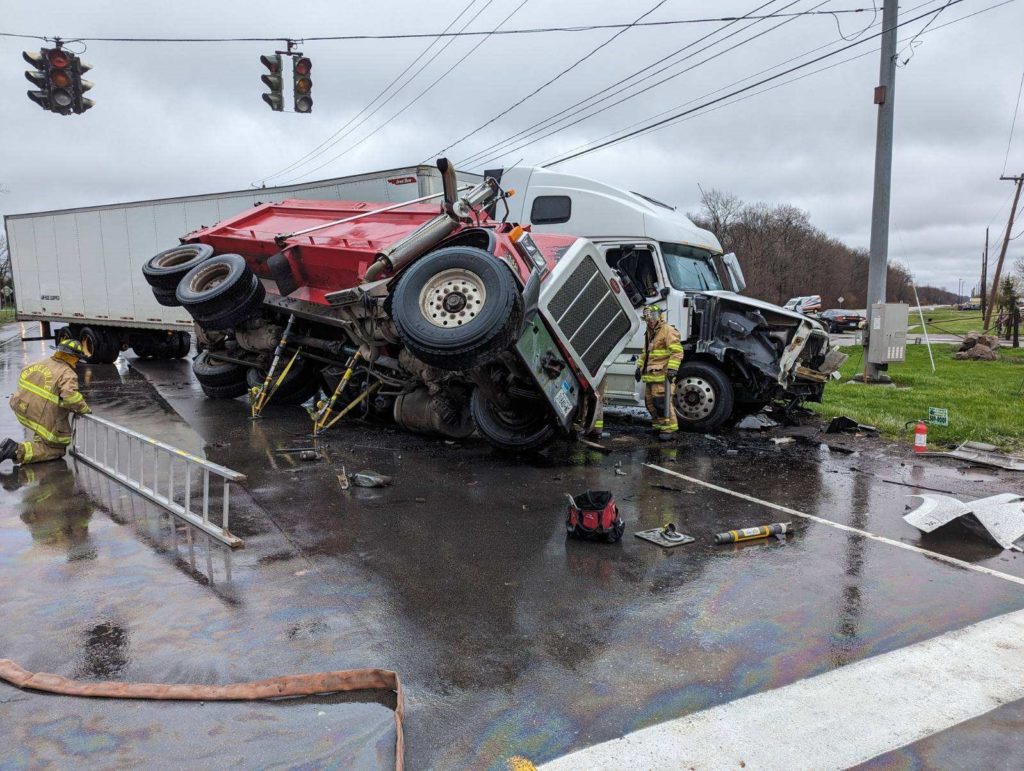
{"type": "Point", "coordinates": [509, 639]}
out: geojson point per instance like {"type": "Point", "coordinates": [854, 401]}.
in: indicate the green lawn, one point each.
{"type": "Point", "coordinates": [6, 314]}
{"type": "Point", "coordinates": [985, 399]}
{"type": "Point", "coordinates": [947, 321]}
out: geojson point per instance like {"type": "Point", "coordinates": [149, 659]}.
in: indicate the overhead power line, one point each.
{"type": "Point", "coordinates": [416, 35]}
{"type": "Point", "coordinates": [1013, 123]}
{"type": "Point", "coordinates": [577, 119]}
{"type": "Point", "coordinates": [750, 87]}
{"type": "Point", "coordinates": [547, 83]}
{"type": "Point", "coordinates": [571, 110]}
{"type": "Point", "coordinates": [750, 95]}
{"type": "Point", "coordinates": [415, 99]}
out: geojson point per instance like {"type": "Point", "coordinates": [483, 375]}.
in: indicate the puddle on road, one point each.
{"type": "Point", "coordinates": [459, 576]}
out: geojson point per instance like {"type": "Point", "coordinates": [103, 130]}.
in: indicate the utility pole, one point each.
{"type": "Point", "coordinates": [1019, 179]}
{"type": "Point", "coordinates": [984, 277]}
{"type": "Point", "coordinates": [885, 95]}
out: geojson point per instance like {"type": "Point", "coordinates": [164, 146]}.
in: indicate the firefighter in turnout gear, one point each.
{"type": "Point", "coordinates": [657, 367]}
{"type": "Point", "coordinates": [47, 392]}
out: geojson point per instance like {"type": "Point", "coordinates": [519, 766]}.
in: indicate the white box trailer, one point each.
{"type": "Point", "coordinates": [83, 266]}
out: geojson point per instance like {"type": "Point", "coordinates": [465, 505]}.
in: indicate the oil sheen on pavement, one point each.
{"type": "Point", "coordinates": [510, 640]}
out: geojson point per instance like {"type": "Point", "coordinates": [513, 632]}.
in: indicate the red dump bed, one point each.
{"type": "Point", "coordinates": [336, 257]}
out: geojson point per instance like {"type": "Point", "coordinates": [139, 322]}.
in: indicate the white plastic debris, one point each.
{"type": "Point", "coordinates": [1002, 516]}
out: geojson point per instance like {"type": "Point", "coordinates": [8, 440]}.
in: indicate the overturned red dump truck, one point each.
{"type": "Point", "coordinates": [440, 316]}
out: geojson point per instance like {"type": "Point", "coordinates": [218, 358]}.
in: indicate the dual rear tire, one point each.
{"type": "Point", "coordinates": [219, 292]}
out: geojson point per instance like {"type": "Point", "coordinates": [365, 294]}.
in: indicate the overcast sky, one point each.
{"type": "Point", "coordinates": [178, 119]}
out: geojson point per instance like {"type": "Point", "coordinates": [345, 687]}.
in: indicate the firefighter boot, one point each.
{"type": "Point", "coordinates": [8, 450]}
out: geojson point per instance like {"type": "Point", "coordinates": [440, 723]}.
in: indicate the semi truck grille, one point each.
{"type": "Point", "coordinates": [588, 315]}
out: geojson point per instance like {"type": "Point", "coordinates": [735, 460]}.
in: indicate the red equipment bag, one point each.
{"type": "Point", "coordinates": [594, 513]}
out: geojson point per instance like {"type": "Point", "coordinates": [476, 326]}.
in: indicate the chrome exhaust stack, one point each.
{"type": "Point", "coordinates": [430, 234]}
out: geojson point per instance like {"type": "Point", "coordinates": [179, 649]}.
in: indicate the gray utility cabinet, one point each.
{"type": "Point", "coordinates": [887, 337]}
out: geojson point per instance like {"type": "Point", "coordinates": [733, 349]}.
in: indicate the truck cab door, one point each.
{"type": "Point", "coordinates": [641, 270]}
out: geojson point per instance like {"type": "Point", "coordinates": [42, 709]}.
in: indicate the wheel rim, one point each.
{"type": "Point", "coordinates": [452, 298]}
{"type": "Point", "coordinates": [87, 347]}
{"type": "Point", "coordinates": [209, 277]}
{"type": "Point", "coordinates": [695, 398]}
{"type": "Point", "coordinates": [176, 258]}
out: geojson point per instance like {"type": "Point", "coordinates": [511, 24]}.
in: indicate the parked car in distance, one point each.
{"type": "Point", "coordinates": [807, 304]}
{"type": "Point", "coordinates": [840, 320]}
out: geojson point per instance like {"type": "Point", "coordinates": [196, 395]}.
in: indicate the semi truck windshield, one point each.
{"type": "Point", "coordinates": [690, 268]}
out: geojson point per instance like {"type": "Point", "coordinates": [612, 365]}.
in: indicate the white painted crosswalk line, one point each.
{"type": "Point", "coordinates": [840, 718]}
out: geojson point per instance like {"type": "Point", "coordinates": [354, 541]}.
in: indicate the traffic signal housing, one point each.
{"type": "Point", "coordinates": [272, 80]}
{"type": "Point", "coordinates": [302, 84]}
{"type": "Point", "coordinates": [58, 80]}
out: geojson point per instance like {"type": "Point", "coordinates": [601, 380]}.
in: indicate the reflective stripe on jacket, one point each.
{"type": "Point", "coordinates": [663, 353]}
{"type": "Point", "coordinates": [47, 392]}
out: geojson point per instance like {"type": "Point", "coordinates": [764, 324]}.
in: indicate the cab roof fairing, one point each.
{"type": "Point", "coordinates": [623, 213]}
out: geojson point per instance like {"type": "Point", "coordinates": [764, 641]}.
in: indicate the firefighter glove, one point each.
{"type": "Point", "coordinates": [638, 374]}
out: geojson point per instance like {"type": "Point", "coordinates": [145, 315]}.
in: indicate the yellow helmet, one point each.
{"type": "Point", "coordinates": [71, 347]}
{"type": "Point", "coordinates": [653, 311]}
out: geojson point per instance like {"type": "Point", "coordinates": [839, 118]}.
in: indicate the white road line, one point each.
{"type": "Point", "coordinates": [847, 528]}
{"type": "Point", "coordinates": [839, 718]}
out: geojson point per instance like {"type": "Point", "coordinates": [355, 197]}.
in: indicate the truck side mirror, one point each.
{"type": "Point", "coordinates": [665, 292]}
{"type": "Point", "coordinates": [732, 266]}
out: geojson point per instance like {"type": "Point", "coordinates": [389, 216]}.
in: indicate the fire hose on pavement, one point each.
{"type": "Point", "coordinates": [289, 686]}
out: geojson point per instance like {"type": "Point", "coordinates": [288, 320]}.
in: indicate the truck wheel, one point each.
{"type": "Point", "coordinates": [457, 308]}
{"type": "Point", "coordinates": [221, 292]}
{"type": "Point", "coordinates": [164, 270]}
{"type": "Point", "coordinates": [181, 344]}
{"type": "Point", "coordinates": [513, 430]}
{"type": "Point", "coordinates": [166, 297]}
{"type": "Point", "coordinates": [98, 345]}
{"type": "Point", "coordinates": [302, 383]}
{"type": "Point", "coordinates": [219, 379]}
{"type": "Point", "coordinates": [703, 397]}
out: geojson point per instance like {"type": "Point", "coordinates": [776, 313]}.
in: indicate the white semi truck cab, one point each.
{"type": "Point", "coordinates": [741, 353]}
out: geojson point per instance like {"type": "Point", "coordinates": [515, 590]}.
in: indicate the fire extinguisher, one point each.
{"type": "Point", "coordinates": [921, 437]}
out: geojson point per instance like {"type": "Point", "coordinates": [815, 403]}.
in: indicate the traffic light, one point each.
{"type": "Point", "coordinates": [272, 80]}
{"type": "Point", "coordinates": [303, 84]}
{"type": "Point", "coordinates": [58, 79]}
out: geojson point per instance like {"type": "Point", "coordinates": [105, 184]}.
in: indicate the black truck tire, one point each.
{"type": "Point", "coordinates": [166, 297]}
{"type": "Point", "coordinates": [164, 270]}
{"type": "Point", "coordinates": [220, 292]}
{"type": "Point", "coordinates": [301, 384]}
{"type": "Point", "coordinates": [457, 308]}
{"type": "Point", "coordinates": [98, 345]}
{"type": "Point", "coordinates": [238, 313]}
{"type": "Point", "coordinates": [505, 432]}
{"type": "Point", "coordinates": [219, 379]}
{"type": "Point", "coordinates": [703, 397]}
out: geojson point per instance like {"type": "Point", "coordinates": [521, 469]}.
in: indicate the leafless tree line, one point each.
{"type": "Point", "coordinates": [785, 256]}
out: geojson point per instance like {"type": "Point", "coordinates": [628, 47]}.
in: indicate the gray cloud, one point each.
{"type": "Point", "coordinates": [174, 120]}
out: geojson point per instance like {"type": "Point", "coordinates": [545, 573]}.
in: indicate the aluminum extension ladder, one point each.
{"type": "Point", "coordinates": [131, 458]}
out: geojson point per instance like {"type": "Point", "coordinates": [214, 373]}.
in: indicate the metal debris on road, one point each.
{"type": "Point", "coordinates": [777, 529]}
{"type": "Point", "coordinates": [1000, 516]}
{"type": "Point", "coordinates": [343, 479]}
{"type": "Point", "coordinates": [370, 479]}
{"type": "Point", "coordinates": [666, 535]}
{"type": "Point", "coordinates": [982, 454]}
{"type": "Point", "coordinates": [845, 425]}
{"type": "Point", "coordinates": [756, 422]}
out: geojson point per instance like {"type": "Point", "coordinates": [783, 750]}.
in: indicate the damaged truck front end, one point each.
{"type": "Point", "coordinates": [769, 354]}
